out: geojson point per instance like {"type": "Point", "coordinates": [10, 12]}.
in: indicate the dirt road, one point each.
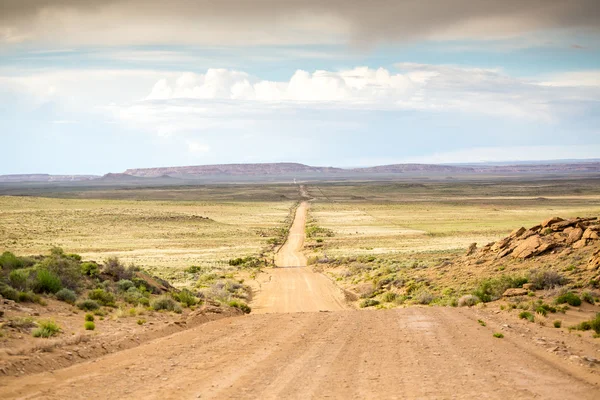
{"type": "Point", "coordinates": [420, 352]}
{"type": "Point", "coordinates": [406, 353]}
{"type": "Point", "coordinates": [292, 287]}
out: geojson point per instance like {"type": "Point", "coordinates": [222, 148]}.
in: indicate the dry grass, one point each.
{"type": "Point", "coordinates": [435, 217]}
{"type": "Point", "coordinates": [162, 236]}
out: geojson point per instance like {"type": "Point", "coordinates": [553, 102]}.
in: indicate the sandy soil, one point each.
{"type": "Point", "coordinates": [419, 352]}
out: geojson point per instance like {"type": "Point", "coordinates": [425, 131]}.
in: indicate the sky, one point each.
{"type": "Point", "coordinates": [90, 87]}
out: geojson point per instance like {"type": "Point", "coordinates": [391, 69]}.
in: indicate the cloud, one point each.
{"type": "Point", "coordinates": [291, 21]}
{"type": "Point", "coordinates": [196, 147]}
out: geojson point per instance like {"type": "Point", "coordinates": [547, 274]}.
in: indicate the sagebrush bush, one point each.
{"type": "Point", "coordinates": [166, 303]}
{"type": "Point", "coordinates": [67, 269]}
{"type": "Point", "coordinates": [388, 297]}
{"type": "Point", "coordinates": [89, 317]}
{"type": "Point", "coordinates": [66, 295]}
{"type": "Point", "coordinates": [468, 300]}
{"type": "Point", "coordinates": [423, 297]}
{"type": "Point", "coordinates": [570, 298]}
{"type": "Point", "coordinates": [30, 297]}
{"type": "Point", "coordinates": [124, 284]}
{"type": "Point", "coordinates": [134, 297]}
{"type": "Point", "coordinates": [9, 292]}
{"type": "Point", "coordinates": [557, 323]}
{"type": "Point", "coordinates": [545, 279]}
{"type": "Point", "coordinates": [47, 282]}
{"type": "Point", "coordinates": [46, 329]}
{"type": "Point", "coordinates": [88, 305]}
{"type": "Point", "coordinates": [587, 297]}
{"type": "Point", "coordinates": [240, 305]}
{"type": "Point", "coordinates": [89, 325]}
{"type": "Point", "coordinates": [102, 297]}
{"type": "Point", "coordinates": [114, 268]}
{"type": "Point", "coordinates": [368, 303]}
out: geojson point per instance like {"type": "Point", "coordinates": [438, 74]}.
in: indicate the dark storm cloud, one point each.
{"type": "Point", "coordinates": [287, 20]}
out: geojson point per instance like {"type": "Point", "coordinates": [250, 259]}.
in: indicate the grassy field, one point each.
{"type": "Point", "coordinates": [381, 218]}
{"type": "Point", "coordinates": [164, 237]}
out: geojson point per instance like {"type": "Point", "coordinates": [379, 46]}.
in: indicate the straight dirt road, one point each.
{"type": "Point", "coordinates": [292, 286]}
{"type": "Point", "coordinates": [419, 352]}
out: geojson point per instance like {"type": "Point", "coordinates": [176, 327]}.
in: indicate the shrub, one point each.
{"type": "Point", "coordinates": [89, 317]}
{"type": "Point", "coordinates": [493, 288]}
{"type": "Point", "coordinates": [89, 269]}
{"type": "Point", "coordinates": [368, 303]}
{"type": "Point", "coordinates": [480, 322]}
{"type": "Point", "coordinates": [114, 268]}
{"type": "Point", "coordinates": [557, 323]}
{"type": "Point", "coordinates": [124, 285]}
{"type": "Point", "coordinates": [498, 335]}
{"type": "Point", "coordinates": [570, 298]}
{"type": "Point", "coordinates": [591, 324]}
{"type": "Point", "coordinates": [526, 315]}
{"type": "Point", "coordinates": [9, 261]}
{"type": "Point", "coordinates": [141, 321]}
{"type": "Point", "coordinates": [46, 329]}
{"type": "Point", "coordinates": [89, 325]}
{"type": "Point", "coordinates": [29, 297]}
{"type": "Point", "coordinates": [134, 297]}
{"type": "Point", "coordinates": [240, 305]}
{"type": "Point", "coordinates": [186, 298]}
{"type": "Point", "coordinates": [8, 292]}
{"type": "Point", "coordinates": [468, 300]}
{"type": "Point", "coordinates": [585, 296]}
{"type": "Point", "coordinates": [47, 282]}
{"type": "Point", "coordinates": [423, 297]}
{"type": "Point", "coordinates": [88, 305]}
{"type": "Point", "coordinates": [388, 297]}
{"type": "Point", "coordinates": [103, 297]}
{"type": "Point", "coordinates": [19, 278]}
{"type": "Point", "coordinates": [545, 279]}
{"type": "Point", "coordinates": [166, 303]}
{"type": "Point", "coordinates": [66, 295]}
{"type": "Point", "coordinates": [67, 269]}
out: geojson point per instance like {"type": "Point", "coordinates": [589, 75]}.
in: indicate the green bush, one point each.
{"type": "Point", "coordinates": [66, 295]}
{"type": "Point", "coordinates": [492, 288]}
{"type": "Point", "coordinates": [526, 315]}
{"type": "Point", "coordinates": [9, 261]}
{"type": "Point", "coordinates": [166, 303]}
{"type": "Point", "coordinates": [89, 325]}
{"type": "Point", "coordinates": [46, 329]}
{"type": "Point", "coordinates": [9, 292]}
{"type": "Point", "coordinates": [593, 324]}
{"type": "Point", "coordinates": [585, 296]}
{"type": "Point", "coordinates": [388, 297]}
{"type": "Point", "coordinates": [498, 335]}
{"type": "Point", "coordinates": [47, 282]}
{"type": "Point", "coordinates": [557, 323]}
{"type": "Point", "coordinates": [124, 285]}
{"type": "Point", "coordinates": [88, 305]}
{"type": "Point", "coordinates": [89, 269]}
{"type": "Point", "coordinates": [102, 297]}
{"type": "Point", "coordinates": [368, 303]}
{"type": "Point", "coordinates": [134, 297]}
{"type": "Point", "coordinates": [186, 298]}
{"type": "Point", "coordinates": [30, 297]}
{"type": "Point", "coordinates": [89, 317]}
{"type": "Point", "coordinates": [240, 305]}
{"type": "Point", "coordinates": [67, 269]}
{"type": "Point", "coordinates": [570, 298]}
{"type": "Point", "coordinates": [19, 278]}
